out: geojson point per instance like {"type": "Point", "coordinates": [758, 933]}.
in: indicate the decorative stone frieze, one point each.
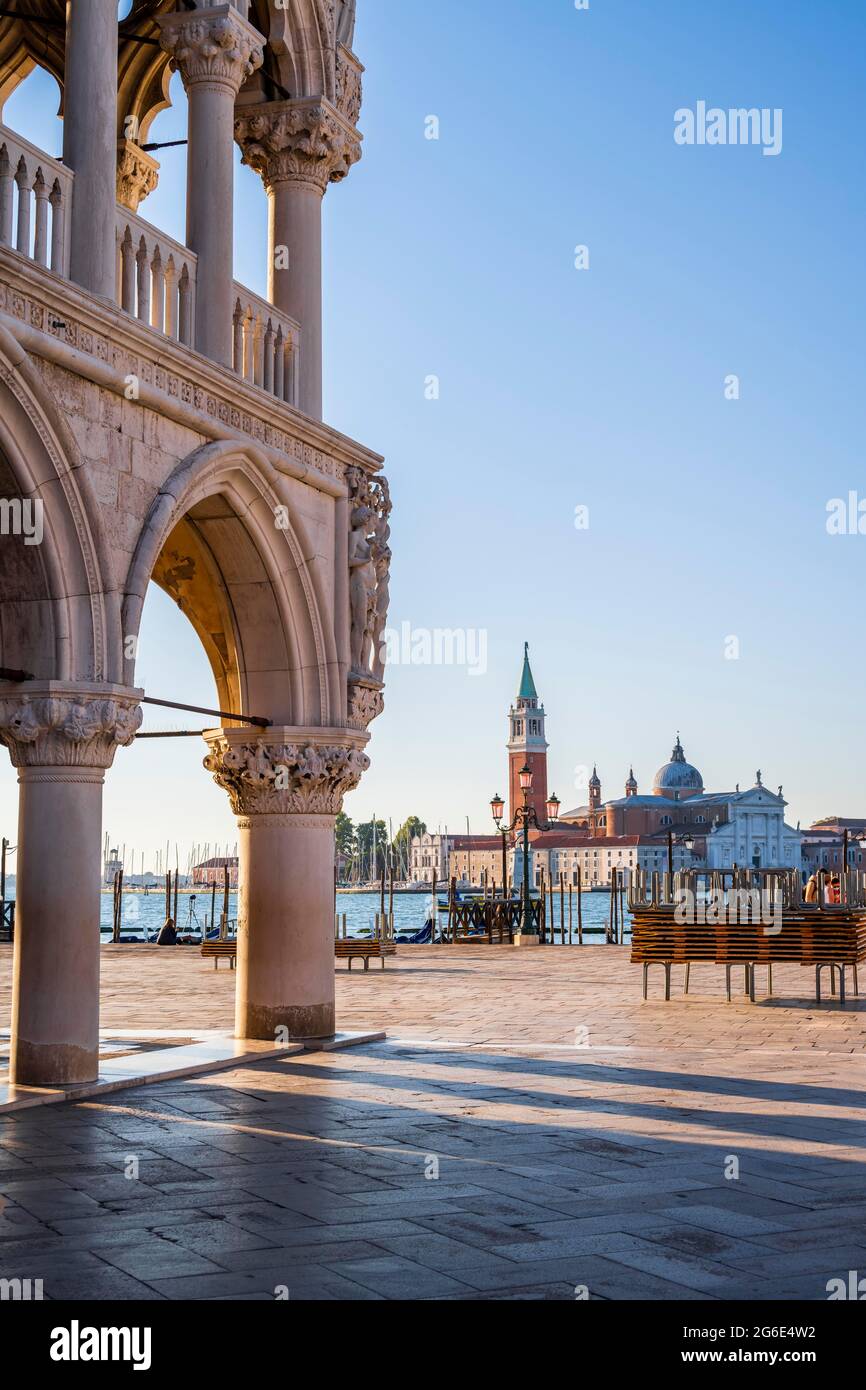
{"type": "Point", "coordinates": [137, 174]}
{"type": "Point", "coordinates": [61, 726]}
{"type": "Point", "coordinates": [271, 776]}
{"type": "Point", "coordinates": [306, 141]}
{"type": "Point", "coordinates": [167, 367]}
{"type": "Point", "coordinates": [215, 46]}
{"type": "Point", "coordinates": [350, 92]}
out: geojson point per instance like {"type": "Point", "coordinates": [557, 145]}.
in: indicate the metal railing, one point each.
{"type": "Point", "coordinates": [7, 921]}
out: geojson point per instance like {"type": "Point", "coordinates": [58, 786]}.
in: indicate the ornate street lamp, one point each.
{"type": "Point", "coordinates": [687, 840]}
{"type": "Point", "coordinates": [524, 817]}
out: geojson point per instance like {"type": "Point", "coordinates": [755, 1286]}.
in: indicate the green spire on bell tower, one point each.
{"type": "Point", "coordinates": [527, 689]}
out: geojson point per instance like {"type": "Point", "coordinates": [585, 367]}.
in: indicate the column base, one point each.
{"type": "Point", "coordinates": [51, 1064]}
{"type": "Point", "coordinates": [300, 1021]}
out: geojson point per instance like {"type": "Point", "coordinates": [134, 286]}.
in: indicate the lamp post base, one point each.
{"type": "Point", "coordinates": [524, 939]}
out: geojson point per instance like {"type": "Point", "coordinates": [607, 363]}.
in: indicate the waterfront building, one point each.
{"type": "Point", "coordinates": [212, 871]}
{"type": "Point", "coordinates": [112, 866]}
{"type": "Point", "coordinates": [739, 827]}
{"type": "Point", "coordinates": [591, 858]}
{"type": "Point", "coordinates": [823, 843]}
{"type": "Point", "coordinates": [167, 421]}
{"type": "Point", "coordinates": [475, 859]}
{"type": "Point", "coordinates": [429, 857]}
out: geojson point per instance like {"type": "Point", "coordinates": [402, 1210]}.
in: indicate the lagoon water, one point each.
{"type": "Point", "coordinates": [144, 915]}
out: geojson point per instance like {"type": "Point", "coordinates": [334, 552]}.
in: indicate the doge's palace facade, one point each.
{"type": "Point", "coordinates": [167, 420]}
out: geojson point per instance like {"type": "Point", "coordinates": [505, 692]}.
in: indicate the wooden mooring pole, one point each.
{"type": "Point", "coordinates": [580, 907]}
{"type": "Point", "coordinates": [224, 921]}
{"type": "Point", "coordinates": [562, 909]}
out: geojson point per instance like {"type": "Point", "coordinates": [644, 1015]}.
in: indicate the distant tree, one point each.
{"type": "Point", "coordinates": [347, 849]}
{"type": "Point", "coordinates": [407, 832]}
{"type": "Point", "coordinates": [345, 834]}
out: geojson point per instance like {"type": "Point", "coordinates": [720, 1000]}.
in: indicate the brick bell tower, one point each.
{"type": "Point", "coordinates": [527, 744]}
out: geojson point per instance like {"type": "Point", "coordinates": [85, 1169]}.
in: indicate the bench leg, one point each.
{"type": "Point", "coordinates": [667, 969]}
{"type": "Point", "coordinates": [829, 965]}
{"type": "Point", "coordinates": [686, 980]}
{"type": "Point", "coordinates": [750, 976]}
{"type": "Point", "coordinates": [728, 982]}
{"type": "Point", "coordinates": [366, 963]}
{"type": "Point", "coordinates": [769, 980]}
{"type": "Point", "coordinates": [856, 986]}
{"type": "Point", "coordinates": [216, 961]}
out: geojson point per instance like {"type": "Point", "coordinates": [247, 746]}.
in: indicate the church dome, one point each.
{"type": "Point", "coordinates": [678, 776]}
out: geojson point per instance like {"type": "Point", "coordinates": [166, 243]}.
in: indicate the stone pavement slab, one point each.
{"type": "Point", "coordinates": [693, 1150]}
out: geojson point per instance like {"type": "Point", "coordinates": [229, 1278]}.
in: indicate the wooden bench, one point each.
{"type": "Point", "coordinates": [345, 949]}
{"type": "Point", "coordinates": [221, 950]}
{"type": "Point", "coordinates": [833, 938]}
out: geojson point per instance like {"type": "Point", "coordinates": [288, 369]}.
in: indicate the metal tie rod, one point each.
{"type": "Point", "coordinates": [172, 733]}
{"type": "Point", "coordinates": [198, 709]}
{"type": "Point", "coordinates": [18, 677]}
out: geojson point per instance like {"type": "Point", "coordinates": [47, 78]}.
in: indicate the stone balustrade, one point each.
{"type": "Point", "coordinates": [156, 277]}
{"type": "Point", "coordinates": [265, 345]}
{"type": "Point", "coordinates": [35, 199]}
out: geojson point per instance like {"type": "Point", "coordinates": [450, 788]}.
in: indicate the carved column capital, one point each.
{"type": "Point", "coordinates": [214, 46]}
{"type": "Point", "coordinates": [366, 701]}
{"type": "Point", "coordinates": [286, 771]}
{"type": "Point", "coordinates": [59, 725]}
{"type": "Point", "coordinates": [137, 174]}
{"type": "Point", "coordinates": [302, 141]}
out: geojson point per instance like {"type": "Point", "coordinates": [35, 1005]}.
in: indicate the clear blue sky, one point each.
{"type": "Point", "coordinates": [602, 388]}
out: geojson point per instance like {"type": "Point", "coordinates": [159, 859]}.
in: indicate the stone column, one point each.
{"type": "Point", "coordinates": [61, 738]}
{"type": "Point", "coordinates": [298, 147]}
{"type": "Point", "coordinates": [286, 789]}
{"type": "Point", "coordinates": [215, 49]}
{"type": "Point", "coordinates": [89, 140]}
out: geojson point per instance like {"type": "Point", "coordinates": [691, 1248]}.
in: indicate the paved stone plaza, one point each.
{"type": "Point", "coordinates": [582, 1137]}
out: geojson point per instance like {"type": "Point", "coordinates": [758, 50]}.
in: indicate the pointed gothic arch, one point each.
{"type": "Point", "coordinates": [223, 540]}
{"type": "Point", "coordinates": [61, 621]}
